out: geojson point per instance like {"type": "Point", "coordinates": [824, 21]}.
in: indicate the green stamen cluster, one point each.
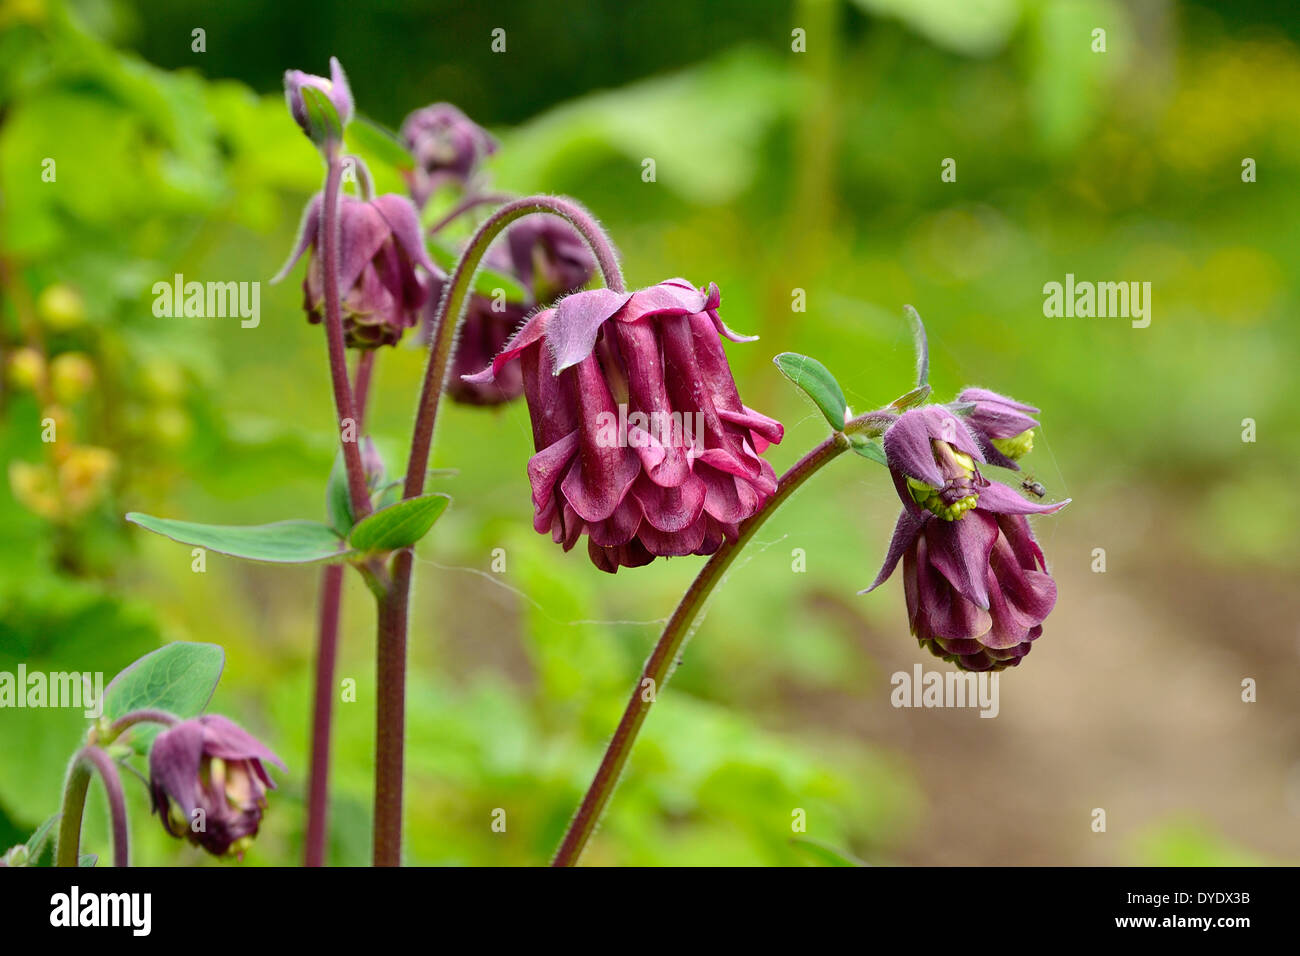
{"type": "Point", "coordinates": [1017, 446]}
{"type": "Point", "coordinates": [928, 498]}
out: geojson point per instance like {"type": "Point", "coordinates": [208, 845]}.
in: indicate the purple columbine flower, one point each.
{"type": "Point", "coordinates": [447, 145]}
{"type": "Point", "coordinates": [209, 764]}
{"type": "Point", "coordinates": [336, 88]}
{"type": "Point", "coordinates": [380, 245]}
{"type": "Point", "coordinates": [550, 260]}
{"type": "Point", "coordinates": [642, 442]}
{"type": "Point", "coordinates": [975, 580]}
{"type": "Point", "coordinates": [1002, 426]}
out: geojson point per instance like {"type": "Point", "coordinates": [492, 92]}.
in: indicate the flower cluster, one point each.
{"type": "Point", "coordinates": [642, 442]}
{"type": "Point", "coordinates": [975, 579]}
{"type": "Point", "coordinates": [380, 248]}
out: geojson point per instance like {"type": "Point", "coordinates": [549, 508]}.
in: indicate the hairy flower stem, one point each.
{"type": "Point", "coordinates": [659, 667]}
{"type": "Point", "coordinates": [343, 402]}
{"type": "Point", "coordinates": [390, 717]}
{"type": "Point", "coordinates": [394, 604]}
{"type": "Point", "coordinates": [455, 300]}
{"type": "Point", "coordinates": [145, 716]}
{"type": "Point", "coordinates": [74, 806]}
{"type": "Point", "coordinates": [327, 642]}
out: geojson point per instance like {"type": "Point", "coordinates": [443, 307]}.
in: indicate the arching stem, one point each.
{"type": "Point", "coordinates": [658, 669]}
{"type": "Point", "coordinates": [393, 605]}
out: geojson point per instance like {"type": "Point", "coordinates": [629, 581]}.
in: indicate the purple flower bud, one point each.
{"type": "Point", "coordinates": [549, 257]}
{"type": "Point", "coordinates": [1001, 426]}
{"type": "Point", "coordinates": [642, 442]}
{"type": "Point", "coordinates": [336, 88]}
{"type": "Point", "coordinates": [380, 244]}
{"type": "Point", "coordinates": [551, 260]}
{"type": "Point", "coordinates": [483, 334]}
{"type": "Point", "coordinates": [211, 765]}
{"type": "Point", "coordinates": [447, 145]}
{"type": "Point", "coordinates": [975, 580]}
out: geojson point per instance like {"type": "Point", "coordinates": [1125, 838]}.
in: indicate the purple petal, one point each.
{"type": "Point", "coordinates": [174, 768]}
{"type": "Point", "coordinates": [308, 228]}
{"type": "Point", "coordinates": [666, 298]}
{"type": "Point", "coordinates": [1000, 499]}
{"type": "Point", "coordinates": [571, 334]}
{"type": "Point", "coordinates": [907, 447]}
{"type": "Point", "coordinates": [905, 532]}
{"type": "Point", "coordinates": [404, 222]}
{"type": "Point", "coordinates": [340, 93]}
{"type": "Point", "coordinates": [978, 395]}
{"type": "Point", "coordinates": [529, 332]}
{"type": "Point", "coordinates": [225, 739]}
{"type": "Point", "coordinates": [960, 551]}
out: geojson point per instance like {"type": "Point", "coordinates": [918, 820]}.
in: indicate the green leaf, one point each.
{"type": "Point", "coordinates": [913, 398]}
{"type": "Point", "coordinates": [322, 117]}
{"type": "Point", "coordinates": [824, 853]}
{"type": "Point", "coordinates": [338, 498]}
{"type": "Point", "coordinates": [921, 344]}
{"type": "Point", "coordinates": [282, 542]}
{"type": "Point", "coordinates": [88, 859]}
{"type": "Point", "coordinates": [399, 525]}
{"type": "Point", "coordinates": [36, 844]}
{"type": "Point", "coordinates": [365, 135]}
{"type": "Point", "coordinates": [869, 448]}
{"type": "Point", "coordinates": [179, 678]}
{"type": "Point", "coordinates": [486, 281]}
{"type": "Point", "coordinates": [817, 383]}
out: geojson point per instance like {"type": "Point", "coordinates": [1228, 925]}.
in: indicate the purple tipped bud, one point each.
{"type": "Point", "coordinates": [209, 783]}
{"type": "Point", "coordinates": [447, 145]}
{"type": "Point", "coordinates": [643, 444]}
{"type": "Point", "coordinates": [336, 89]}
{"type": "Point", "coordinates": [1002, 426]}
{"type": "Point", "coordinates": [380, 246]}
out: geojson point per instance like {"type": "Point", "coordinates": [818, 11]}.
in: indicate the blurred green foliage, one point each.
{"type": "Point", "coordinates": [775, 171]}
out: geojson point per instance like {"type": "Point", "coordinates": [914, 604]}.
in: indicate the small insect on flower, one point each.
{"type": "Point", "coordinates": [1033, 487]}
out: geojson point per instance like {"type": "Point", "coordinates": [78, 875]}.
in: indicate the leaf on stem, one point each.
{"type": "Point", "coordinates": [817, 383]}
{"type": "Point", "coordinates": [365, 135]}
{"type": "Point", "coordinates": [338, 498]}
{"type": "Point", "coordinates": [36, 844]}
{"type": "Point", "coordinates": [399, 525]}
{"type": "Point", "coordinates": [916, 396]}
{"type": "Point", "coordinates": [281, 542]}
{"type": "Point", "coordinates": [871, 448]}
{"type": "Point", "coordinates": [178, 678]}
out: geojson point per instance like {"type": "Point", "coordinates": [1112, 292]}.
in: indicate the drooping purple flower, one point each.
{"type": "Point", "coordinates": [642, 442]}
{"type": "Point", "coordinates": [380, 246]}
{"type": "Point", "coordinates": [336, 88]}
{"type": "Point", "coordinates": [550, 260]}
{"type": "Point", "coordinates": [210, 764]}
{"type": "Point", "coordinates": [447, 145]}
{"type": "Point", "coordinates": [1002, 426]}
{"type": "Point", "coordinates": [976, 581]}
